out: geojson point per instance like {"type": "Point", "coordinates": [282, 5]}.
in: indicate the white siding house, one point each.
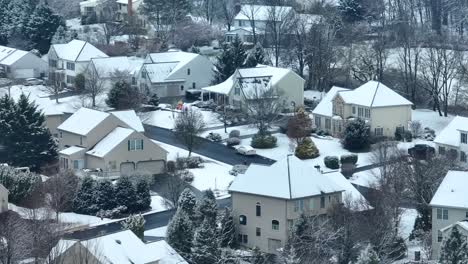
{"type": "Point", "coordinates": [453, 140]}
{"type": "Point", "coordinates": [20, 64]}
{"type": "Point", "coordinates": [106, 69]}
{"type": "Point", "coordinates": [3, 199]}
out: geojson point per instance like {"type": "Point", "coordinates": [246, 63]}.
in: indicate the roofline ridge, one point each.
{"type": "Point", "coordinates": [375, 93]}
{"type": "Point", "coordinates": [81, 50]}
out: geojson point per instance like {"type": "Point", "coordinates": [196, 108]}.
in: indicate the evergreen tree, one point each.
{"type": "Point", "coordinates": [454, 250]}
{"type": "Point", "coordinates": [61, 36]}
{"type": "Point", "coordinates": [125, 194]}
{"type": "Point", "coordinates": [368, 256]}
{"type": "Point", "coordinates": [187, 203]}
{"type": "Point", "coordinates": [29, 143]}
{"type": "Point", "coordinates": [20, 185]}
{"type": "Point", "coordinates": [356, 135]}
{"type": "Point", "coordinates": [238, 53]}
{"type": "Point", "coordinates": [7, 116]}
{"type": "Point", "coordinates": [351, 10]}
{"type": "Point", "coordinates": [135, 223]}
{"type": "Point", "coordinates": [256, 56]}
{"type": "Point", "coordinates": [123, 96]}
{"type": "Point", "coordinates": [224, 67]}
{"type": "Point", "coordinates": [289, 256]}
{"type": "Point", "coordinates": [227, 233]}
{"type": "Point", "coordinates": [154, 100]}
{"type": "Point", "coordinates": [179, 233]}
{"type": "Point", "coordinates": [258, 257]}
{"type": "Point", "coordinates": [143, 195]}
{"type": "Point", "coordinates": [104, 195]}
{"type": "Point", "coordinates": [207, 208]}
{"type": "Point", "coordinates": [84, 200]}
{"type": "Point", "coordinates": [205, 249]}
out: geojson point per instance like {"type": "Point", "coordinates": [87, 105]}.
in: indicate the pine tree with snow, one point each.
{"type": "Point", "coordinates": [224, 67]}
{"type": "Point", "coordinates": [356, 135]}
{"type": "Point", "coordinates": [238, 53]}
{"type": "Point", "coordinates": [136, 224]}
{"type": "Point", "coordinates": [61, 36]}
{"type": "Point", "coordinates": [289, 256]}
{"type": "Point", "coordinates": [187, 203]}
{"type": "Point", "coordinates": [84, 199]}
{"type": "Point", "coordinates": [256, 56]}
{"type": "Point", "coordinates": [7, 115]}
{"type": "Point", "coordinates": [205, 248]}
{"type": "Point", "coordinates": [351, 10]}
{"type": "Point", "coordinates": [179, 233]}
{"type": "Point", "coordinates": [454, 250]}
{"type": "Point", "coordinates": [227, 233]}
{"type": "Point", "coordinates": [104, 195]}
{"type": "Point", "coordinates": [125, 194]}
{"type": "Point", "coordinates": [368, 256]}
{"type": "Point", "coordinates": [20, 185]}
{"type": "Point", "coordinates": [143, 201]}
{"type": "Point", "coordinates": [207, 208]}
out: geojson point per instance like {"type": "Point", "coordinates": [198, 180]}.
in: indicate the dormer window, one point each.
{"type": "Point", "coordinates": [463, 138]}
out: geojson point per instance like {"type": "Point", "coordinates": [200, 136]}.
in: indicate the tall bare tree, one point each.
{"type": "Point", "coordinates": [61, 189]}
{"type": "Point", "coordinates": [94, 84]}
{"type": "Point", "coordinates": [228, 12]}
{"type": "Point", "coordinates": [187, 126]}
{"type": "Point", "coordinates": [278, 22]}
{"type": "Point", "coordinates": [251, 12]}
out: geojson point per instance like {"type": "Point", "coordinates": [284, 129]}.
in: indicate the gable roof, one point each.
{"type": "Point", "coordinates": [130, 118]}
{"type": "Point", "coordinates": [110, 141]}
{"type": "Point", "coordinates": [3, 188]}
{"type": "Point", "coordinates": [261, 12]}
{"type": "Point", "coordinates": [160, 72]}
{"type": "Point", "coordinates": [273, 181]}
{"type": "Point", "coordinates": [452, 192]}
{"type": "Point", "coordinates": [107, 66]}
{"type": "Point", "coordinates": [8, 56]}
{"type": "Point", "coordinates": [463, 224]}
{"type": "Point", "coordinates": [83, 121]}
{"type": "Point", "coordinates": [165, 253]}
{"type": "Point", "coordinates": [160, 66]}
{"type": "Point", "coordinates": [325, 107]}
{"type": "Point", "coordinates": [71, 150]}
{"type": "Point", "coordinates": [373, 94]}
{"type": "Point", "coordinates": [78, 50]}
{"type": "Point", "coordinates": [358, 201]}
{"type": "Point", "coordinates": [450, 135]}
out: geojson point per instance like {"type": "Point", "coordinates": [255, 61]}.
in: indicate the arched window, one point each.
{"type": "Point", "coordinates": [243, 220]}
{"type": "Point", "coordinates": [258, 209]}
{"type": "Point", "coordinates": [275, 224]}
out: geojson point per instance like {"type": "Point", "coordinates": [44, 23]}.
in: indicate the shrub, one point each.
{"type": "Point", "coordinates": [123, 96]}
{"type": "Point", "coordinates": [171, 166]}
{"type": "Point", "coordinates": [234, 134]}
{"type": "Point", "coordinates": [186, 176]}
{"type": "Point", "coordinates": [154, 100]}
{"type": "Point", "coordinates": [332, 162]}
{"type": "Point", "coordinates": [216, 137]}
{"type": "Point", "coordinates": [349, 159]}
{"type": "Point", "coordinates": [117, 212]}
{"type": "Point", "coordinates": [306, 149]}
{"type": "Point", "coordinates": [189, 162]}
{"type": "Point", "coordinates": [20, 184]}
{"type": "Point", "coordinates": [80, 82]}
{"type": "Point", "coordinates": [408, 136]}
{"type": "Point", "coordinates": [356, 135]}
{"type": "Point", "coordinates": [264, 141]}
{"type": "Point", "coordinates": [233, 141]}
{"type": "Point", "coordinates": [398, 135]}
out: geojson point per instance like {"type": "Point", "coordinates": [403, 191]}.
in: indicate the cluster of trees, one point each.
{"type": "Point", "coordinates": [194, 230]}
{"type": "Point", "coordinates": [108, 200]}
{"type": "Point", "coordinates": [125, 96]}
{"type": "Point", "coordinates": [25, 141]}
{"type": "Point", "coordinates": [21, 185]}
{"type": "Point", "coordinates": [28, 24]}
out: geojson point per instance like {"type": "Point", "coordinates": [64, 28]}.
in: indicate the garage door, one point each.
{"type": "Point", "coordinates": [127, 168]}
{"type": "Point", "coordinates": [151, 166]}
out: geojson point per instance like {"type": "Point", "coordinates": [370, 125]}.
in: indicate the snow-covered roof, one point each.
{"type": "Point", "coordinates": [83, 121]}
{"type": "Point", "coordinates": [71, 150]}
{"type": "Point", "coordinates": [78, 50]}
{"type": "Point", "coordinates": [308, 20]}
{"type": "Point", "coordinates": [9, 56]}
{"type": "Point", "coordinates": [130, 118]}
{"type": "Point", "coordinates": [262, 12]}
{"type": "Point", "coordinates": [373, 94]}
{"type": "Point", "coordinates": [160, 72]}
{"type": "Point", "coordinates": [165, 253]}
{"type": "Point", "coordinates": [463, 224]}
{"type": "Point", "coordinates": [325, 107]}
{"type": "Point", "coordinates": [273, 181]}
{"type": "Point", "coordinates": [109, 142]}
{"type": "Point", "coordinates": [450, 135]}
{"type": "Point", "coordinates": [107, 66]}
{"type": "Point", "coordinates": [222, 88]}
{"type": "Point", "coordinates": [350, 192]}
{"type": "Point", "coordinates": [453, 191]}
{"type": "Point", "coordinates": [90, 3]}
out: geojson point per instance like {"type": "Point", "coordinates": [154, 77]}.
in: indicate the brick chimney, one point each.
{"type": "Point", "coordinates": [130, 8]}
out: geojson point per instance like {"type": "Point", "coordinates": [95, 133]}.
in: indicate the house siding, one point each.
{"type": "Point", "coordinates": [28, 66]}
{"type": "Point", "coordinates": [454, 215]}
{"type": "Point", "coordinates": [3, 199]}
{"type": "Point", "coordinates": [390, 118]}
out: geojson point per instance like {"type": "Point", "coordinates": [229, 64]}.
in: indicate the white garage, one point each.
{"type": "Point", "coordinates": [151, 166]}
{"type": "Point", "coordinates": [127, 168]}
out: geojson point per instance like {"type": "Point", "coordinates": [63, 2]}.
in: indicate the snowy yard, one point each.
{"type": "Point", "coordinates": [157, 232]}
{"type": "Point", "coordinates": [165, 118]}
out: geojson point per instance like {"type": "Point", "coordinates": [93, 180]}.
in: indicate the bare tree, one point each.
{"type": "Point", "coordinates": [61, 189]}
{"type": "Point", "coordinates": [278, 21]}
{"type": "Point", "coordinates": [368, 63]}
{"type": "Point", "coordinates": [94, 84]}
{"type": "Point", "coordinates": [13, 242]}
{"type": "Point", "coordinates": [107, 17]}
{"type": "Point", "coordinates": [228, 12]}
{"type": "Point", "coordinates": [251, 12]}
{"type": "Point", "coordinates": [187, 126]}
{"type": "Point", "coordinates": [54, 85]}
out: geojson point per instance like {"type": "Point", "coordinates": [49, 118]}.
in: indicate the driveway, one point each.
{"type": "Point", "coordinates": [208, 148]}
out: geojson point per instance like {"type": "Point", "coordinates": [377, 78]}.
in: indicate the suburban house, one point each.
{"type": "Point", "coordinates": [172, 73]}
{"type": "Point", "coordinates": [256, 17]}
{"type": "Point", "coordinates": [19, 64]}
{"type": "Point", "coordinates": [108, 144]}
{"type": "Point", "coordinates": [120, 247]}
{"type": "Point", "coordinates": [449, 206]}
{"type": "Point", "coordinates": [132, 6]}
{"type": "Point", "coordinates": [3, 199]}
{"type": "Point", "coordinates": [382, 108]}
{"type": "Point", "coordinates": [253, 83]}
{"type": "Point", "coordinates": [265, 213]}
{"type": "Point", "coordinates": [112, 69]}
{"type": "Point", "coordinates": [68, 60]}
{"type": "Point", "coordinates": [453, 140]}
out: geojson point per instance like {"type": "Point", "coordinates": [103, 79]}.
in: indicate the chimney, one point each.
{"type": "Point", "coordinates": [130, 8]}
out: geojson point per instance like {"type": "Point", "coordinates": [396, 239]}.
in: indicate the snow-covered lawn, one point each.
{"type": "Point", "coordinates": [215, 175]}
{"type": "Point", "coordinates": [165, 118]}
{"type": "Point", "coordinates": [157, 232]}
{"type": "Point", "coordinates": [431, 119]}
{"type": "Point", "coordinates": [407, 222]}
{"type": "Point", "coordinates": [158, 203]}
{"type": "Point", "coordinates": [313, 95]}
{"type": "Point", "coordinates": [244, 130]}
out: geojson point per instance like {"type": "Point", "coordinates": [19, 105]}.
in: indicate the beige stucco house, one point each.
{"type": "Point", "coordinates": [453, 140]}
{"type": "Point", "coordinates": [3, 199]}
{"type": "Point", "coordinates": [111, 143]}
{"type": "Point", "coordinates": [381, 107]}
{"type": "Point", "coordinates": [252, 83]}
{"type": "Point", "coordinates": [266, 201]}
{"type": "Point", "coordinates": [449, 206]}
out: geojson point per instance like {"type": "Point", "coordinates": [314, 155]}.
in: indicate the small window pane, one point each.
{"type": "Point", "coordinates": [258, 231]}
{"type": "Point", "coordinates": [275, 225]}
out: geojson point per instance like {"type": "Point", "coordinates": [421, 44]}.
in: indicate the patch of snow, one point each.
{"type": "Point", "coordinates": [366, 178]}
{"type": "Point", "coordinates": [158, 204]}
{"type": "Point", "coordinates": [325, 107]}
{"type": "Point", "coordinates": [165, 118]}
{"type": "Point", "coordinates": [407, 220]}
{"type": "Point", "coordinates": [83, 121]}
{"type": "Point", "coordinates": [157, 232]}
{"type": "Point", "coordinates": [452, 192]}
{"type": "Point", "coordinates": [431, 119]}
{"type": "Point", "coordinates": [313, 95]}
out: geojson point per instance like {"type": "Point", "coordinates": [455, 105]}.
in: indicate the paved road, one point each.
{"type": "Point", "coordinates": [208, 148]}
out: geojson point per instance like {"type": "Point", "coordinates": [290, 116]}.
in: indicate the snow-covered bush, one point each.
{"type": "Point", "coordinates": [356, 135]}
{"type": "Point", "coordinates": [234, 134]}
{"type": "Point", "coordinates": [349, 159]}
{"type": "Point", "coordinates": [408, 136]}
{"type": "Point", "coordinates": [192, 162]}
{"type": "Point", "coordinates": [238, 169]}
{"type": "Point", "coordinates": [368, 256]}
{"type": "Point", "coordinates": [135, 223]}
{"type": "Point", "coordinates": [263, 141]}
{"type": "Point", "coordinates": [216, 137]}
{"type": "Point", "coordinates": [114, 213]}
{"type": "Point", "coordinates": [306, 149]}
{"type": "Point", "coordinates": [20, 184]}
{"type": "Point", "coordinates": [332, 162]}
{"type": "Point", "coordinates": [186, 176]}
{"type": "Point", "coordinates": [233, 141]}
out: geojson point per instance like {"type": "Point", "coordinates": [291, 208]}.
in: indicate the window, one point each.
{"type": "Point", "coordinates": [228, 38]}
{"type": "Point", "coordinates": [378, 131]}
{"type": "Point", "coordinates": [311, 204]}
{"type": "Point", "coordinates": [135, 144]}
{"type": "Point", "coordinates": [327, 123]}
{"type": "Point", "coordinates": [61, 135]}
{"type": "Point", "coordinates": [299, 206]}
{"type": "Point", "coordinates": [442, 150]}
{"type": "Point", "coordinates": [143, 74]}
{"type": "Point", "coordinates": [318, 122]}
{"type": "Point", "coordinates": [258, 231]}
{"type": "Point", "coordinates": [239, 238]}
{"type": "Point", "coordinates": [76, 164]}
{"type": "Point", "coordinates": [8, 69]}
{"type": "Point", "coordinates": [245, 239]}
{"type": "Point", "coordinates": [466, 215]}
{"type": "Point", "coordinates": [339, 126]}
{"type": "Point", "coordinates": [113, 165]}
{"type": "Point", "coordinates": [188, 71]}
{"type": "Point", "coordinates": [243, 220]}
{"type": "Point", "coordinates": [463, 138]}
{"type": "Point", "coordinates": [360, 111]}
{"type": "Point", "coordinates": [367, 113]}
{"type": "Point", "coordinates": [258, 209]}
{"type": "Point", "coordinates": [240, 23]}
{"type": "Point", "coordinates": [275, 225]}
{"type": "Point", "coordinates": [354, 110]}
{"type": "Point", "coordinates": [81, 141]}
{"type": "Point", "coordinates": [445, 214]}
{"type": "Point", "coordinates": [237, 90]}
{"type": "Point", "coordinates": [442, 214]}
{"type": "Point", "coordinates": [70, 66]}
{"type": "Point", "coordinates": [194, 85]}
{"type": "Point", "coordinates": [462, 156]}
{"type": "Point", "coordinates": [322, 202]}
{"type": "Point", "coordinates": [70, 79]}
{"type": "Point", "coordinates": [181, 87]}
{"type": "Point", "coordinates": [439, 236]}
